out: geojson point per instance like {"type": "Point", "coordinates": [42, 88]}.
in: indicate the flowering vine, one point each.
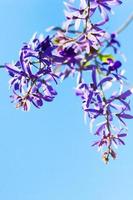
{"type": "Point", "coordinates": [82, 48]}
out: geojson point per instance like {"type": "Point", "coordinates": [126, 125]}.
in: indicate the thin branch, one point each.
{"type": "Point", "coordinates": [125, 24]}
{"type": "Point", "coordinates": [120, 30]}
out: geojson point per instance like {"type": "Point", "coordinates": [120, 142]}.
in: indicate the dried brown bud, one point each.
{"type": "Point", "coordinates": [105, 157]}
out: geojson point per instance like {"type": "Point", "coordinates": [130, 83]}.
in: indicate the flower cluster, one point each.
{"type": "Point", "coordinates": [33, 73]}
{"type": "Point", "coordinates": [111, 109]}
{"type": "Point", "coordinates": [80, 48]}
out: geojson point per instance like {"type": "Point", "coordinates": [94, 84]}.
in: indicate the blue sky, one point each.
{"type": "Point", "coordinates": [46, 154]}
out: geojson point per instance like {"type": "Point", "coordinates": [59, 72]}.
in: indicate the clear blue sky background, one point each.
{"type": "Point", "coordinates": [45, 154]}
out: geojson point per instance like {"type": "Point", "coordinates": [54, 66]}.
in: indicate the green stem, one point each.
{"type": "Point", "coordinates": [2, 66]}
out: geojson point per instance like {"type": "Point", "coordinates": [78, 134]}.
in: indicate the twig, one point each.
{"type": "Point", "coordinates": [125, 24]}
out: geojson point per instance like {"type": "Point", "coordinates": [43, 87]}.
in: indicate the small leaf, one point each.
{"type": "Point", "coordinates": [87, 64]}
{"type": "Point", "coordinates": [105, 57]}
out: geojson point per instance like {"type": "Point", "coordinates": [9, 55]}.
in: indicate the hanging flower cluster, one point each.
{"type": "Point", "coordinates": [31, 75]}
{"type": "Point", "coordinates": [78, 48]}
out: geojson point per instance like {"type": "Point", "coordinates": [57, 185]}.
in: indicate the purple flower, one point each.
{"type": "Point", "coordinates": [113, 108]}
{"type": "Point", "coordinates": [104, 6]}
{"type": "Point", "coordinates": [32, 74]}
{"type": "Point", "coordinates": [75, 15]}
{"type": "Point", "coordinates": [113, 42]}
{"type": "Point", "coordinates": [91, 100]}
{"type": "Point", "coordinates": [91, 39]}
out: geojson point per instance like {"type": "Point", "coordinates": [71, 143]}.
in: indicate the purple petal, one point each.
{"type": "Point", "coordinates": [104, 80]}
{"type": "Point", "coordinates": [126, 116]}
{"type": "Point", "coordinates": [122, 135]}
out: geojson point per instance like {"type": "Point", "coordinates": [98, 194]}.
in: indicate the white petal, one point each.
{"type": "Point", "coordinates": [91, 125]}
{"type": "Point", "coordinates": [85, 117]}
{"type": "Point", "coordinates": [50, 28]}
{"type": "Point", "coordinates": [83, 4]}
{"type": "Point", "coordinates": [77, 24]}
{"type": "Point", "coordinates": [107, 85]}
{"type": "Point", "coordinates": [131, 90]}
